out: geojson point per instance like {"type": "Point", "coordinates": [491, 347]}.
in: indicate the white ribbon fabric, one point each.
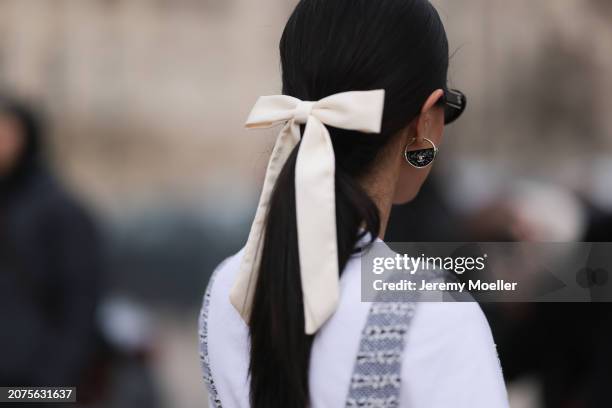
{"type": "Point", "coordinates": [314, 192]}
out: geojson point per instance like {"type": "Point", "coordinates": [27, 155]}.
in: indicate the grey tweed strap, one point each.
{"type": "Point", "coordinates": [213, 395]}
{"type": "Point", "coordinates": [376, 378]}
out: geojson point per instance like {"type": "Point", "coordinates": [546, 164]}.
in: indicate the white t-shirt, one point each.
{"type": "Point", "coordinates": [449, 358]}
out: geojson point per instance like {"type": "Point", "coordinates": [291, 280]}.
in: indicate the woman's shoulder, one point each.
{"type": "Point", "coordinates": [224, 273]}
{"type": "Point", "coordinates": [453, 324]}
{"type": "Point", "coordinates": [222, 336]}
{"type": "Point", "coordinates": [215, 304]}
{"type": "Point", "coordinates": [220, 281]}
{"type": "Point", "coordinates": [452, 358]}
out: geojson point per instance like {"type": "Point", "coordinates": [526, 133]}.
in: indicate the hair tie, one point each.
{"type": "Point", "coordinates": [314, 192]}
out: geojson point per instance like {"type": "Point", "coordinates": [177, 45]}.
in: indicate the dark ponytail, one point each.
{"type": "Point", "coordinates": [332, 46]}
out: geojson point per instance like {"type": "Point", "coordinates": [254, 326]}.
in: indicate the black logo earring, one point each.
{"type": "Point", "coordinates": [421, 158]}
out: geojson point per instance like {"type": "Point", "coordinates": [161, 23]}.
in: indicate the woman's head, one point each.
{"type": "Point", "coordinates": [19, 138]}
{"type": "Point", "coordinates": [329, 47]}
{"type": "Point", "coordinates": [400, 46]}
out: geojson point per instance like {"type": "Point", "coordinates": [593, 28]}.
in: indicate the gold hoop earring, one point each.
{"type": "Point", "coordinates": [422, 158]}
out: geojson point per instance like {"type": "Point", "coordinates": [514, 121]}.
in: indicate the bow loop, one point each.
{"type": "Point", "coordinates": [270, 111]}
{"type": "Point", "coordinates": [360, 111]}
{"type": "Point", "coordinates": [314, 193]}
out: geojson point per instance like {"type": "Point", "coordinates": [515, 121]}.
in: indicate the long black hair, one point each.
{"type": "Point", "coordinates": [327, 47]}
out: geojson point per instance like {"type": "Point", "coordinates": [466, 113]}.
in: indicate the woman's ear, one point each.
{"type": "Point", "coordinates": [426, 119]}
{"type": "Point", "coordinates": [428, 125]}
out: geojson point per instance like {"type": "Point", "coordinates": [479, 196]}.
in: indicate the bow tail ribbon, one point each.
{"type": "Point", "coordinates": [316, 219]}
{"type": "Point", "coordinates": [241, 295]}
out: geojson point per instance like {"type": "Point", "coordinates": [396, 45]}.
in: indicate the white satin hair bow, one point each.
{"type": "Point", "coordinates": [314, 192]}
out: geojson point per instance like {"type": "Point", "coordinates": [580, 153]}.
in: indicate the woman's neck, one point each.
{"type": "Point", "coordinates": [380, 186]}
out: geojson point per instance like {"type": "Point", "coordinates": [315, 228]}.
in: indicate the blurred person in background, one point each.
{"type": "Point", "coordinates": [50, 263]}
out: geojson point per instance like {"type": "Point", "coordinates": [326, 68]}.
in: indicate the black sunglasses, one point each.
{"type": "Point", "coordinates": [455, 103]}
